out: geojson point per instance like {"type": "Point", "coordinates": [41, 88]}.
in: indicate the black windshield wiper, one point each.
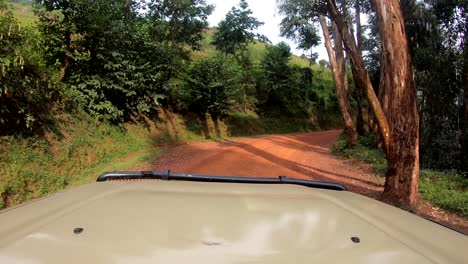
{"type": "Point", "coordinates": [170, 176]}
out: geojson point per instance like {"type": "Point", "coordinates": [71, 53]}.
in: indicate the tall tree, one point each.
{"type": "Point", "coordinates": [453, 18]}
{"type": "Point", "coordinates": [214, 86]}
{"type": "Point", "coordinates": [337, 63]}
{"type": "Point", "coordinates": [437, 62]}
{"type": "Point", "coordinates": [402, 130]}
{"type": "Point", "coordinates": [111, 78]}
{"type": "Point", "coordinates": [234, 33]}
{"type": "Point", "coordinates": [237, 30]}
{"type": "Point", "coordinates": [360, 71]}
{"type": "Point", "coordinates": [312, 10]}
{"type": "Point", "coordinates": [301, 31]}
{"type": "Point", "coordinates": [402, 179]}
{"type": "Point", "coordinates": [358, 90]}
{"type": "Point", "coordinates": [464, 140]}
{"type": "Point", "coordinates": [66, 28]}
{"type": "Point", "coordinates": [454, 15]}
{"type": "Point", "coordinates": [179, 22]}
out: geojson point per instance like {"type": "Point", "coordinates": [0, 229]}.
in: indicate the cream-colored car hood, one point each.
{"type": "Point", "coordinates": [156, 221]}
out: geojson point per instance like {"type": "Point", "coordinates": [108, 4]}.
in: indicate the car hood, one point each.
{"type": "Point", "coordinates": [155, 221]}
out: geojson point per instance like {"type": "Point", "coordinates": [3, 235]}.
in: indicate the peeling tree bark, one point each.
{"type": "Point", "coordinates": [382, 94]}
{"type": "Point", "coordinates": [339, 76]}
{"type": "Point", "coordinates": [402, 179]}
{"type": "Point", "coordinates": [361, 73]}
{"type": "Point", "coordinates": [359, 117]}
{"type": "Point", "coordinates": [340, 60]}
{"type": "Point", "coordinates": [383, 97]}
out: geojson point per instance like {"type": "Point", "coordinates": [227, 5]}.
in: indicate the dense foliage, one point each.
{"type": "Point", "coordinates": [237, 30]}
{"type": "Point", "coordinates": [283, 88]}
{"type": "Point", "coordinates": [437, 30]}
{"type": "Point", "coordinates": [214, 86]}
{"type": "Point", "coordinates": [123, 60]}
{"type": "Point", "coordinates": [28, 88]}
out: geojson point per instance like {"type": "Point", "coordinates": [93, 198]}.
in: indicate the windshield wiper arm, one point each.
{"type": "Point", "coordinates": [170, 176]}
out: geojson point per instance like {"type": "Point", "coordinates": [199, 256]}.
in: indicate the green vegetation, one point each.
{"type": "Point", "coordinates": [27, 85]}
{"type": "Point", "coordinates": [84, 147]}
{"type": "Point", "coordinates": [34, 167]}
{"type": "Point", "coordinates": [24, 13]}
{"type": "Point", "coordinates": [447, 190]}
{"type": "Point", "coordinates": [83, 84]}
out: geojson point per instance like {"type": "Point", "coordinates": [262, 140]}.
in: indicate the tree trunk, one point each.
{"type": "Point", "coordinates": [359, 117]}
{"type": "Point", "coordinates": [357, 89]}
{"type": "Point", "coordinates": [339, 76]}
{"type": "Point", "coordinates": [64, 70]}
{"type": "Point", "coordinates": [383, 97]}
{"type": "Point", "coordinates": [381, 93]}
{"type": "Point", "coordinates": [340, 61]}
{"type": "Point", "coordinates": [358, 93]}
{"type": "Point", "coordinates": [402, 179]}
{"type": "Point", "coordinates": [361, 73]}
{"type": "Point", "coordinates": [358, 26]}
{"type": "Point", "coordinates": [464, 139]}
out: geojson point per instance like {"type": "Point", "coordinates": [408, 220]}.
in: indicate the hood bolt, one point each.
{"type": "Point", "coordinates": [78, 230]}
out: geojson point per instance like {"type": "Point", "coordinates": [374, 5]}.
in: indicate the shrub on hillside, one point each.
{"type": "Point", "coordinates": [28, 89]}
{"type": "Point", "coordinates": [213, 85]}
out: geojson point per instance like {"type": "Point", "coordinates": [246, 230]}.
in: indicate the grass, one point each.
{"type": "Point", "coordinates": [88, 175]}
{"type": "Point", "coordinates": [33, 167]}
{"type": "Point", "coordinates": [248, 124]}
{"type": "Point", "coordinates": [448, 190]}
{"type": "Point", "coordinates": [24, 13]}
{"type": "Point", "coordinates": [190, 127]}
{"type": "Point", "coordinates": [257, 51]}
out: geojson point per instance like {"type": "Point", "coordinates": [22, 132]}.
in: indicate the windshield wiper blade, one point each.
{"type": "Point", "coordinates": [171, 176]}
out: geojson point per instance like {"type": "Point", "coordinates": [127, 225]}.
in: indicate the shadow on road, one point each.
{"type": "Point", "coordinates": [308, 172]}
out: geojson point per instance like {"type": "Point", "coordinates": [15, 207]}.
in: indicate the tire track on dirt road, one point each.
{"type": "Point", "coordinates": [303, 156]}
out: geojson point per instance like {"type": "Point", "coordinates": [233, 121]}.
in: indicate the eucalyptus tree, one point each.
{"type": "Point", "coordinates": [399, 129]}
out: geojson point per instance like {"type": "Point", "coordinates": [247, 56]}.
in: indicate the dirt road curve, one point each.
{"type": "Point", "coordinates": [304, 156]}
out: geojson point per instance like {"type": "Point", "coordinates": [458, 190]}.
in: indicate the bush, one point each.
{"type": "Point", "coordinates": [213, 85]}
{"type": "Point", "coordinates": [282, 89]}
{"type": "Point", "coordinates": [28, 89]}
{"type": "Point", "coordinates": [447, 190]}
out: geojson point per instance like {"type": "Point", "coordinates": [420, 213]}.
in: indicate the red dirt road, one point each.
{"type": "Point", "coordinates": [304, 156]}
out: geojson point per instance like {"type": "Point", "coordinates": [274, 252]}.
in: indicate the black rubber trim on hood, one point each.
{"type": "Point", "coordinates": [170, 176]}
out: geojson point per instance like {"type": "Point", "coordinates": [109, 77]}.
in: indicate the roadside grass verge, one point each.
{"type": "Point", "coordinates": [247, 124]}
{"type": "Point", "coordinates": [448, 190]}
{"type": "Point", "coordinates": [84, 148]}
